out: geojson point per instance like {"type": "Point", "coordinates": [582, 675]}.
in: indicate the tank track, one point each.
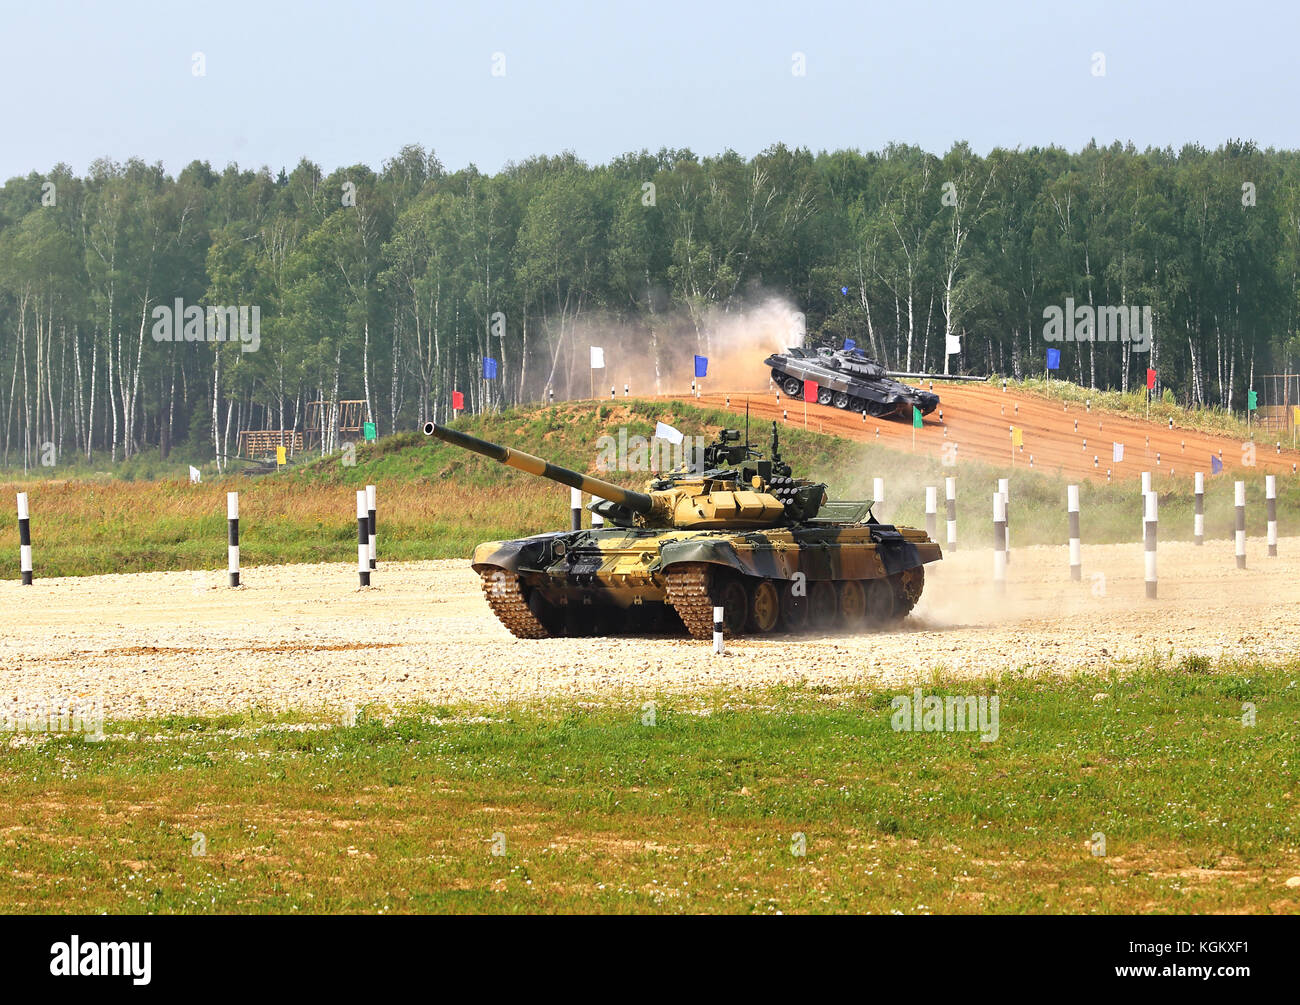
{"type": "Point", "coordinates": [506, 598]}
{"type": "Point", "coordinates": [910, 584]}
{"type": "Point", "coordinates": [688, 593]}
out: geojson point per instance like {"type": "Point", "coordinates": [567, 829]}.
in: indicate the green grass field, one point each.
{"type": "Point", "coordinates": [598, 810]}
{"type": "Point", "coordinates": [438, 502]}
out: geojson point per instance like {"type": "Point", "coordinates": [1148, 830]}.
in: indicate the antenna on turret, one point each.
{"type": "Point", "coordinates": [746, 427]}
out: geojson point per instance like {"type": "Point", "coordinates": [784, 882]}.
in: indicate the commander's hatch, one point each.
{"type": "Point", "coordinates": [843, 511]}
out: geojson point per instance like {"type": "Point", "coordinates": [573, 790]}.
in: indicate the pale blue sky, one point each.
{"type": "Point", "coordinates": [343, 82]}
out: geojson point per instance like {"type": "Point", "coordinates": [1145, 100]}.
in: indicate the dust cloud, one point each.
{"type": "Point", "coordinates": [657, 357]}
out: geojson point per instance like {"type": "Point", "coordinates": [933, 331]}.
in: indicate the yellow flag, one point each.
{"type": "Point", "coordinates": [1295, 414]}
{"type": "Point", "coordinates": [279, 455]}
{"type": "Point", "coordinates": [1017, 437]}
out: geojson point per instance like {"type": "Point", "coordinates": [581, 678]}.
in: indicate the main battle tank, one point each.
{"type": "Point", "coordinates": [850, 380]}
{"type": "Point", "coordinates": [729, 529]}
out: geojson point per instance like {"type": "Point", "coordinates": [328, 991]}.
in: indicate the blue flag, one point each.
{"type": "Point", "coordinates": [1053, 359]}
{"type": "Point", "coordinates": [1216, 465]}
{"type": "Point", "coordinates": [849, 345]}
{"type": "Point", "coordinates": [701, 366]}
{"type": "Point", "coordinates": [489, 368]}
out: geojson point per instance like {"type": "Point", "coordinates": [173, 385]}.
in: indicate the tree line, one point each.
{"type": "Point", "coordinates": [391, 286]}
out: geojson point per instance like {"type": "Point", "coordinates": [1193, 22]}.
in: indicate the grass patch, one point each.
{"type": "Point", "coordinates": [601, 812]}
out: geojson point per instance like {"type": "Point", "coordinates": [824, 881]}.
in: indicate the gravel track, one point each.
{"type": "Point", "coordinates": [978, 416]}
{"type": "Point", "coordinates": [304, 636]}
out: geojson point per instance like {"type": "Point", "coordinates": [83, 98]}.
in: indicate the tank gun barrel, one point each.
{"type": "Point", "coordinates": [638, 502]}
{"type": "Point", "coordinates": [933, 376]}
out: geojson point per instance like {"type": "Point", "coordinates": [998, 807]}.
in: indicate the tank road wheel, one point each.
{"type": "Point", "coordinates": [908, 585]}
{"type": "Point", "coordinates": [729, 593]}
{"type": "Point", "coordinates": [764, 607]}
{"type": "Point", "coordinates": [853, 604]}
{"type": "Point", "coordinates": [824, 395]}
{"type": "Point", "coordinates": [505, 595]}
{"type": "Point", "coordinates": [841, 399]}
{"type": "Point", "coordinates": [881, 601]}
{"type": "Point", "coordinates": [794, 609]}
{"type": "Point", "coordinates": [793, 387]}
{"type": "Point", "coordinates": [823, 605]}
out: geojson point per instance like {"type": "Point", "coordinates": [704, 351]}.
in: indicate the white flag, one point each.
{"type": "Point", "coordinates": [1116, 452]}
{"type": "Point", "coordinates": [597, 358]}
{"type": "Point", "coordinates": [954, 345]}
{"type": "Point", "coordinates": [663, 431]}
{"type": "Point", "coordinates": [194, 475]}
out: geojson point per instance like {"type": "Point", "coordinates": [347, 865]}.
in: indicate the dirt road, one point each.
{"type": "Point", "coordinates": [305, 637]}
{"type": "Point", "coordinates": [978, 417]}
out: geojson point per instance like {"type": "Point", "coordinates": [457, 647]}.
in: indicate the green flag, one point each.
{"type": "Point", "coordinates": [1251, 400]}
{"type": "Point", "coordinates": [368, 430]}
{"type": "Point", "coordinates": [916, 416]}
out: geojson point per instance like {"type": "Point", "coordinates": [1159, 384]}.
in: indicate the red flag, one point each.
{"type": "Point", "coordinates": [1151, 379]}
{"type": "Point", "coordinates": [457, 401]}
{"type": "Point", "coordinates": [810, 390]}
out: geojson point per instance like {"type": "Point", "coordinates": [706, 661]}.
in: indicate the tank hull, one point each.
{"type": "Point", "coordinates": [851, 382]}
{"type": "Point", "coordinates": [619, 580]}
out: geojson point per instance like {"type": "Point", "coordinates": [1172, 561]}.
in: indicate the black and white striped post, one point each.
{"type": "Point", "coordinates": [931, 512]}
{"type": "Point", "coordinates": [1004, 489]}
{"type": "Point", "coordinates": [232, 536]}
{"type": "Point", "coordinates": [717, 630]}
{"type": "Point", "coordinates": [1270, 500]}
{"type": "Point", "coordinates": [24, 539]}
{"type": "Point", "coordinates": [370, 522]}
{"type": "Point", "coordinates": [1239, 499]}
{"type": "Point", "coordinates": [877, 492]}
{"type": "Point", "coordinates": [1150, 504]}
{"type": "Point", "coordinates": [575, 509]}
{"type": "Point", "coordinates": [1146, 487]}
{"type": "Point", "coordinates": [363, 539]}
{"type": "Point", "coordinates": [1198, 517]}
{"type": "Point", "coordinates": [597, 521]}
{"type": "Point", "coordinates": [999, 543]}
{"type": "Point", "coordinates": [950, 491]}
{"type": "Point", "coordinates": [1072, 507]}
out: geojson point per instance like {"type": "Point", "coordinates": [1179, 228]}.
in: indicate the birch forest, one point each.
{"type": "Point", "coordinates": [392, 285]}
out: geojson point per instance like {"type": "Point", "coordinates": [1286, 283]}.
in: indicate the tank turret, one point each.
{"type": "Point", "coordinates": [720, 488]}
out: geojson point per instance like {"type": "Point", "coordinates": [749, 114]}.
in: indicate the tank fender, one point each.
{"type": "Point", "coordinates": [718, 551]}
{"type": "Point", "coordinates": [896, 552]}
{"type": "Point", "coordinates": [526, 553]}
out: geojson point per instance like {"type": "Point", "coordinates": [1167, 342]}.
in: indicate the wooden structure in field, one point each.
{"type": "Point", "coordinates": [1279, 394]}
{"type": "Point", "coordinates": [257, 444]}
{"type": "Point", "coordinates": [350, 415]}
